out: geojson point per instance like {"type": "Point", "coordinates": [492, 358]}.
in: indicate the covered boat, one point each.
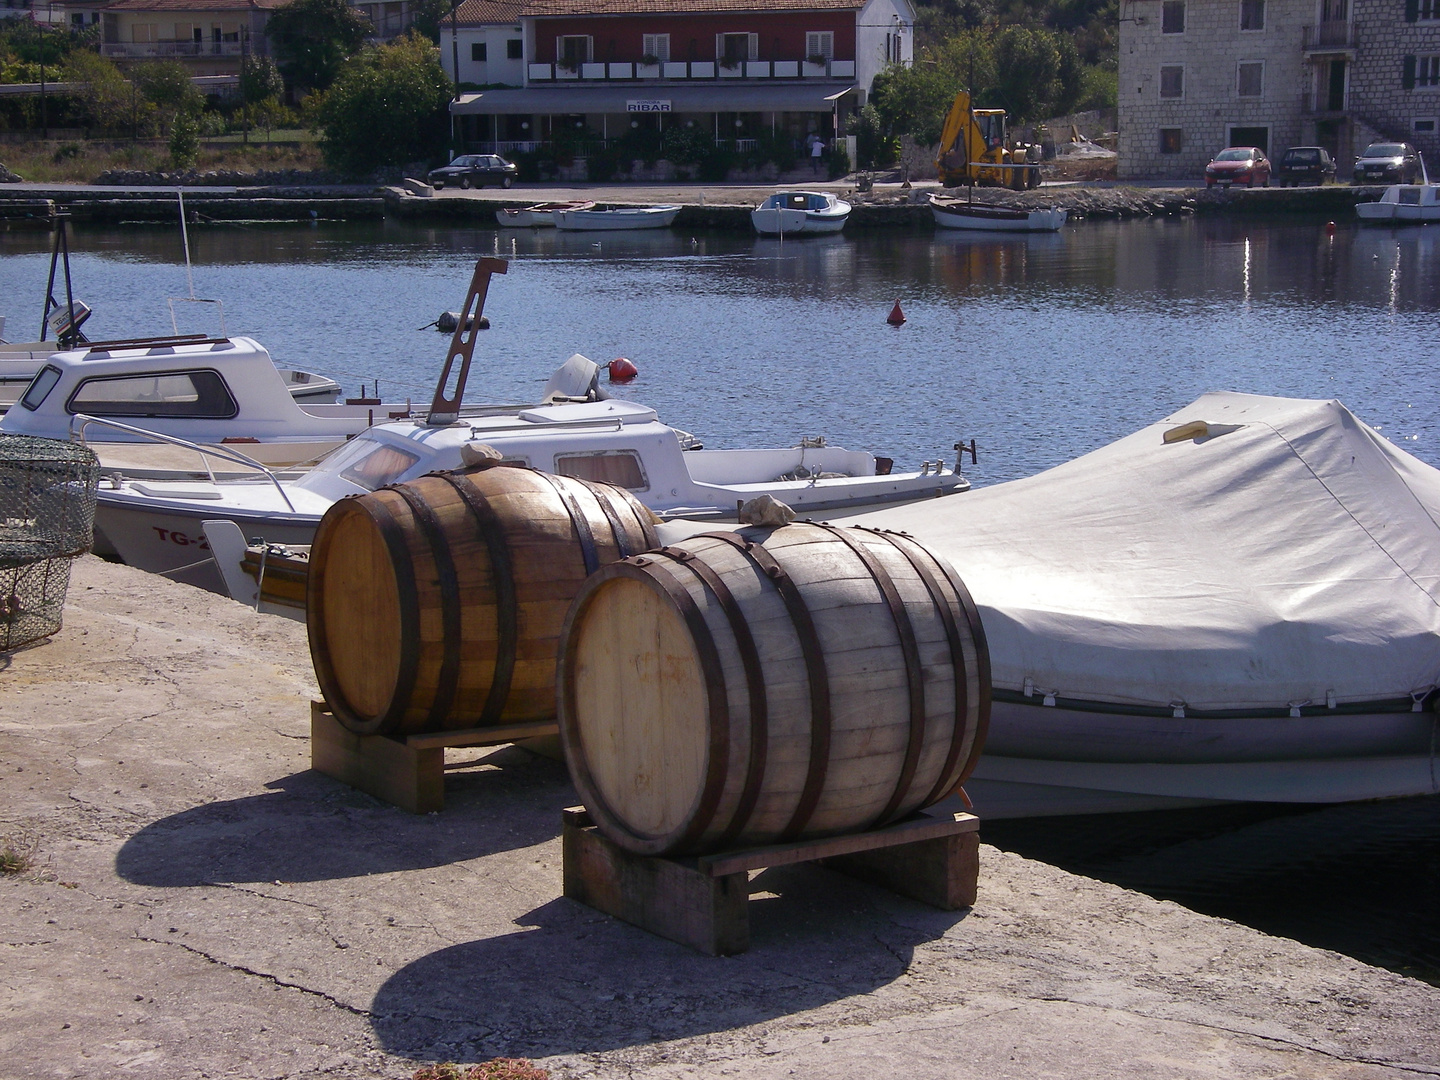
{"type": "Point", "coordinates": [793, 213]}
{"type": "Point", "coordinates": [1241, 602]}
{"type": "Point", "coordinates": [951, 213]}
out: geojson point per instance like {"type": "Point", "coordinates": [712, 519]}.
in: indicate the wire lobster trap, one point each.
{"type": "Point", "coordinates": [47, 517]}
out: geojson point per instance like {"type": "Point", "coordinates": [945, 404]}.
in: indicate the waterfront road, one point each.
{"type": "Point", "coordinates": [201, 904]}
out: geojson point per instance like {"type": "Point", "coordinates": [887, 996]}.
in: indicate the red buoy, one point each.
{"type": "Point", "coordinates": [897, 317]}
{"type": "Point", "coordinates": [1329, 228]}
{"type": "Point", "coordinates": [622, 370]}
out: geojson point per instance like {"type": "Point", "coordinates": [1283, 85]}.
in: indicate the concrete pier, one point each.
{"type": "Point", "coordinates": [201, 904]}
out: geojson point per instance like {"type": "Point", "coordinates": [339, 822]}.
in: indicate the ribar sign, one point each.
{"type": "Point", "coordinates": [647, 106]}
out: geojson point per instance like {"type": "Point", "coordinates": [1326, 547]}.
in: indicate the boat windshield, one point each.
{"type": "Point", "coordinates": [366, 462]}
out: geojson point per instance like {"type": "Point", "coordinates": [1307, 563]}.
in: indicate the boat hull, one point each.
{"type": "Point", "coordinates": [653, 217]}
{"type": "Point", "coordinates": [539, 216]}
{"type": "Point", "coordinates": [784, 222]}
{"type": "Point", "coordinates": [997, 219]}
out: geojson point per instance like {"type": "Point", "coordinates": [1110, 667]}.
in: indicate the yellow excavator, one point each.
{"type": "Point", "coordinates": [974, 150]}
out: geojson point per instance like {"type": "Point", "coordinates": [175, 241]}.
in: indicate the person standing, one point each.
{"type": "Point", "coordinates": [817, 151]}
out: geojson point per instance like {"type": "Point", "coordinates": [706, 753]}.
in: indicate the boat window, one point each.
{"type": "Point", "coordinates": [199, 394]}
{"type": "Point", "coordinates": [376, 464]}
{"type": "Point", "coordinates": [1410, 195]}
{"type": "Point", "coordinates": [618, 467]}
{"type": "Point", "coordinates": [40, 387]}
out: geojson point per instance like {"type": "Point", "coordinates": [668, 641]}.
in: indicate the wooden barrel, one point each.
{"type": "Point", "coordinates": [770, 685]}
{"type": "Point", "coordinates": [437, 604]}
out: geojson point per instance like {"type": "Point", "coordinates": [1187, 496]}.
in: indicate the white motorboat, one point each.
{"type": "Point", "coordinates": [157, 525]}
{"type": "Point", "coordinates": [207, 391]}
{"type": "Point", "coordinates": [538, 216]}
{"type": "Point", "coordinates": [794, 213]}
{"type": "Point", "coordinates": [1240, 603]}
{"type": "Point", "coordinates": [1403, 204]}
{"type": "Point", "coordinates": [952, 213]}
{"type": "Point", "coordinates": [621, 217]}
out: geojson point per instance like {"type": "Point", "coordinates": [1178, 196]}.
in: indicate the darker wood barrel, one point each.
{"type": "Point", "coordinates": [437, 604]}
{"type": "Point", "coordinates": [770, 685]}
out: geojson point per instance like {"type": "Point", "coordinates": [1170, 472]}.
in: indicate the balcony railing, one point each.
{"type": "Point", "coordinates": [148, 50]}
{"type": "Point", "coordinates": [584, 149]}
{"type": "Point", "coordinates": [691, 69]}
{"type": "Point", "coordinates": [1312, 104]}
{"type": "Point", "coordinates": [1338, 34]}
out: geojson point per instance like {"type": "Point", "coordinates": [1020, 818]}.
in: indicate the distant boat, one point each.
{"type": "Point", "coordinates": [624, 217]}
{"type": "Point", "coordinates": [951, 213]}
{"type": "Point", "coordinates": [793, 213]}
{"type": "Point", "coordinates": [541, 215]}
{"type": "Point", "coordinates": [1404, 204]}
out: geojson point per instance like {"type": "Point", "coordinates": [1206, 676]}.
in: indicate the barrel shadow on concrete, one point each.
{"type": "Point", "coordinates": [577, 981]}
{"type": "Point", "coordinates": [312, 828]}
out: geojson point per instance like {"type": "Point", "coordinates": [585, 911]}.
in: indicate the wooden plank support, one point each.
{"type": "Point", "coordinates": [704, 902]}
{"type": "Point", "coordinates": [409, 773]}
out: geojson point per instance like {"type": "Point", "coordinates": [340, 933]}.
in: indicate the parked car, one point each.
{"type": "Point", "coordinates": [1305, 164]}
{"type": "Point", "coordinates": [1387, 163]}
{"type": "Point", "coordinates": [1238, 165]}
{"type": "Point", "coordinates": [474, 170]}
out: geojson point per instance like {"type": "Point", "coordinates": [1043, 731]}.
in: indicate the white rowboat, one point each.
{"type": "Point", "coordinates": [952, 213]}
{"type": "Point", "coordinates": [625, 217]}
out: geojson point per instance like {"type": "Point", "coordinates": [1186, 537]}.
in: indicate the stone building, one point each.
{"type": "Point", "coordinates": [1199, 75]}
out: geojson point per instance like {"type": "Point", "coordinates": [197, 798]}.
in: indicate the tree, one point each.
{"type": "Point", "coordinates": [312, 38]}
{"type": "Point", "coordinates": [259, 79]}
{"type": "Point", "coordinates": [387, 107]}
{"type": "Point", "coordinates": [184, 140]}
{"type": "Point", "coordinates": [167, 86]}
{"type": "Point", "coordinates": [108, 100]}
{"type": "Point", "coordinates": [1027, 66]}
{"type": "Point", "coordinates": [430, 16]}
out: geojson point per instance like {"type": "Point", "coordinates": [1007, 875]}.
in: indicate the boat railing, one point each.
{"type": "Point", "coordinates": [80, 421]}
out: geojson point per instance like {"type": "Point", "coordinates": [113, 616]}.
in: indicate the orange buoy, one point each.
{"type": "Point", "coordinates": [622, 370]}
{"type": "Point", "coordinates": [1329, 228]}
{"type": "Point", "coordinates": [897, 317]}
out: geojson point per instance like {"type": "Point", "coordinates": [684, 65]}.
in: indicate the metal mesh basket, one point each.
{"type": "Point", "coordinates": [32, 598]}
{"type": "Point", "coordinates": [47, 499]}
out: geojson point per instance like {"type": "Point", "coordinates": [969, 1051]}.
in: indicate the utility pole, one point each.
{"type": "Point", "coordinates": [455, 61]}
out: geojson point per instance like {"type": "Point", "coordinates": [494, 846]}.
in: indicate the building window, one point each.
{"type": "Point", "coordinates": [1252, 14]}
{"type": "Point", "coordinates": [1251, 81]}
{"type": "Point", "coordinates": [1424, 127]}
{"type": "Point", "coordinates": [1172, 81]}
{"type": "Point", "coordinates": [515, 49]}
{"type": "Point", "coordinates": [820, 43]}
{"type": "Point", "coordinates": [477, 51]}
{"type": "Point", "coordinates": [1172, 141]}
{"type": "Point", "coordinates": [573, 50]}
{"type": "Point", "coordinates": [1422, 10]}
{"type": "Point", "coordinates": [1172, 17]}
{"type": "Point", "coordinates": [1427, 72]}
{"type": "Point", "coordinates": [656, 45]}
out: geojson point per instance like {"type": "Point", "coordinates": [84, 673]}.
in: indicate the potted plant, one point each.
{"type": "Point", "coordinates": [649, 66]}
{"type": "Point", "coordinates": [569, 65]}
{"type": "Point", "coordinates": [815, 64]}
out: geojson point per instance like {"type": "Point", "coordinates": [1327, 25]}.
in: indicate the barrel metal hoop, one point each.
{"type": "Point", "coordinates": [914, 674]}
{"type": "Point", "coordinates": [605, 497]}
{"type": "Point", "coordinates": [449, 582]}
{"type": "Point", "coordinates": [578, 519]}
{"type": "Point", "coordinates": [754, 681]}
{"type": "Point", "coordinates": [816, 674]}
{"type": "Point", "coordinates": [954, 771]}
{"type": "Point", "coordinates": [507, 607]}
{"type": "Point", "coordinates": [409, 596]}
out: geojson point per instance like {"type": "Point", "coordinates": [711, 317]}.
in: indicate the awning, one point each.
{"type": "Point", "coordinates": [712, 97]}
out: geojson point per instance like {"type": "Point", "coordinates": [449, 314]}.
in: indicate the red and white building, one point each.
{"type": "Point", "coordinates": [738, 68]}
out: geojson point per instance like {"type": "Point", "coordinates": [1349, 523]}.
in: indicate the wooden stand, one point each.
{"type": "Point", "coordinates": [704, 902]}
{"type": "Point", "coordinates": [408, 772]}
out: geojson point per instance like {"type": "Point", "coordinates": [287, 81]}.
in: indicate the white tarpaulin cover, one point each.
{"type": "Point", "coordinates": [1290, 554]}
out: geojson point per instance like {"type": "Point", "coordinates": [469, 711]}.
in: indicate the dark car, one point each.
{"type": "Point", "coordinates": [1305, 165]}
{"type": "Point", "coordinates": [1387, 163]}
{"type": "Point", "coordinates": [474, 170]}
{"type": "Point", "coordinates": [1238, 165]}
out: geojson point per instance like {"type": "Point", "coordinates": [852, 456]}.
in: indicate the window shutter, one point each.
{"type": "Point", "coordinates": [754, 51]}
{"type": "Point", "coordinates": [1407, 74]}
{"type": "Point", "coordinates": [719, 46]}
{"type": "Point", "coordinates": [647, 45]}
{"type": "Point", "coordinates": [559, 48]}
{"type": "Point", "coordinates": [1412, 10]}
{"type": "Point", "coordinates": [812, 45]}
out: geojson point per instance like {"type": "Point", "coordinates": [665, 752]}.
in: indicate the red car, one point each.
{"type": "Point", "coordinates": [1246, 165]}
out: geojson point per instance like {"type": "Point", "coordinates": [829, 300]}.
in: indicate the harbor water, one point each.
{"type": "Point", "coordinates": [1040, 348]}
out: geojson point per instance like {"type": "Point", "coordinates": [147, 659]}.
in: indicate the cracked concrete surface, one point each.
{"type": "Point", "coordinates": [205, 906]}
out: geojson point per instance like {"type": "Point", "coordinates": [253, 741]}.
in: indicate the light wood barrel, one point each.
{"type": "Point", "coordinates": [437, 604]}
{"type": "Point", "coordinates": [770, 685]}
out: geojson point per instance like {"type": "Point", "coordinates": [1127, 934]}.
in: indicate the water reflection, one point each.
{"type": "Point", "coordinates": [1040, 346]}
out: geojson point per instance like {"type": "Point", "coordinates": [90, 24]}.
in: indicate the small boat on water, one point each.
{"type": "Point", "coordinates": [952, 213]}
{"type": "Point", "coordinates": [538, 216]}
{"type": "Point", "coordinates": [1239, 603]}
{"type": "Point", "coordinates": [1404, 204]}
{"type": "Point", "coordinates": [796, 213]}
{"type": "Point", "coordinates": [620, 217]}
